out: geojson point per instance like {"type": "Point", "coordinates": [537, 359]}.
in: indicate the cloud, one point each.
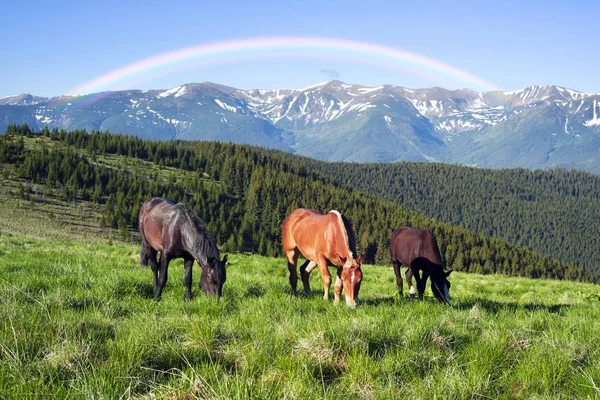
{"type": "Point", "coordinates": [331, 73]}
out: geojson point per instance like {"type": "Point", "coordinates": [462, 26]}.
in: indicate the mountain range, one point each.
{"type": "Point", "coordinates": [537, 127]}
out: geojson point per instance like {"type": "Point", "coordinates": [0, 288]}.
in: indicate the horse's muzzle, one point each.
{"type": "Point", "coordinates": [351, 302]}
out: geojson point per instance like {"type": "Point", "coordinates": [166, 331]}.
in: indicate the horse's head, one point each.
{"type": "Point", "coordinates": [440, 286]}
{"type": "Point", "coordinates": [351, 277]}
{"type": "Point", "coordinates": [214, 276]}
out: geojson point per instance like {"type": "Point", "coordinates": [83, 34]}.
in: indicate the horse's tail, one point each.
{"type": "Point", "coordinates": [143, 257]}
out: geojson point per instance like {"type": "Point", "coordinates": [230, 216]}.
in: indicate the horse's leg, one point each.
{"type": "Point", "coordinates": [305, 277]}
{"type": "Point", "coordinates": [408, 276]}
{"type": "Point", "coordinates": [339, 285]}
{"type": "Point", "coordinates": [157, 278]}
{"type": "Point", "coordinates": [162, 275]}
{"type": "Point", "coordinates": [398, 277]}
{"type": "Point", "coordinates": [325, 275]}
{"type": "Point", "coordinates": [151, 254]}
{"type": "Point", "coordinates": [305, 271]}
{"type": "Point", "coordinates": [292, 256]}
{"type": "Point", "coordinates": [422, 282]}
{"type": "Point", "coordinates": [187, 277]}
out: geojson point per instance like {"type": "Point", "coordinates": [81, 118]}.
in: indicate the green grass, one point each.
{"type": "Point", "coordinates": [77, 320]}
{"type": "Point", "coordinates": [46, 216]}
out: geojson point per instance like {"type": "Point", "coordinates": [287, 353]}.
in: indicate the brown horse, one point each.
{"type": "Point", "coordinates": [177, 232]}
{"type": "Point", "coordinates": [418, 249]}
{"type": "Point", "coordinates": [324, 240]}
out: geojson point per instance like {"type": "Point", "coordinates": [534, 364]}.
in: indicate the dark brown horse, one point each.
{"type": "Point", "coordinates": [177, 232]}
{"type": "Point", "coordinates": [324, 240]}
{"type": "Point", "coordinates": [418, 249]}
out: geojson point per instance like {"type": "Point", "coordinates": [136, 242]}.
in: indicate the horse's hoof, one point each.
{"type": "Point", "coordinates": [412, 296]}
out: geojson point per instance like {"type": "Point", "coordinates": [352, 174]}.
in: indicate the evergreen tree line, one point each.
{"type": "Point", "coordinates": [243, 194]}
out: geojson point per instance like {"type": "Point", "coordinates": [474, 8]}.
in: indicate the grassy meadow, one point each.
{"type": "Point", "coordinates": [77, 320]}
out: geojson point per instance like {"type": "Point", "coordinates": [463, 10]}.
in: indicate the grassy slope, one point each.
{"type": "Point", "coordinates": [44, 215]}
{"type": "Point", "coordinates": [49, 217]}
{"type": "Point", "coordinates": [78, 321]}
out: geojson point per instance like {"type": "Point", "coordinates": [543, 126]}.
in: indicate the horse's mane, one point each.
{"type": "Point", "coordinates": [207, 245]}
{"type": "Point", "coordinates": [349, 235]}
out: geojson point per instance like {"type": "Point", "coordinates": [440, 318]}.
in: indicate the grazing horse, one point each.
{"type": "Point", "coordinates": [177, 232]}
{"type": "Point", "coordinates": [418, 249]}
{"type": "Point", "coordinates": [324, 240]}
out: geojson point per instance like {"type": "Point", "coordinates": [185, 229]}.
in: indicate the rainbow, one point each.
{"type": "Point", "coordinates": [252, 48]}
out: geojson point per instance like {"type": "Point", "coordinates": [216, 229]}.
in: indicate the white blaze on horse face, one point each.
{"type": "Point", "coordinates": [348, 289]}
{"type": "Point", "coordinates": [350, 301]}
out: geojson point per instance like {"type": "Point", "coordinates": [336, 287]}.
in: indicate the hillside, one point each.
{"type": "Point", "coordinates": [80, 316]}
{"type": "Point", "coordinates": [242, 193]}
{"type": "Point", "coordinates": [538, 127]}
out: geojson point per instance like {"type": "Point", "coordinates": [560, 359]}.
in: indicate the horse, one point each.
{"type": "Point", "coordinates": [324, 240]}
{"type": "Point", "coordinates": [177, 232]}
{"type": "Point", "coordinates": [418, 249]}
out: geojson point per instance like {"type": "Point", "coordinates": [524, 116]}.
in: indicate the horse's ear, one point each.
{"type": "Point", "coordinates": [448, 273]}
{"type": "Point", "coordinates": [224, 259]}
{"type": "Point", "coordinates": [360, 259]}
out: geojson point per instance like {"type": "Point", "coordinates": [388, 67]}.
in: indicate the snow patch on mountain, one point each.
{"type": "Point", "coordinates": [360, 107]}
{"type": "Point", "coordinates": [43, 119]}
{"type": "Point", "coordinates": [318, 85]}
{"type": "Point", "coordinates": [595, 121]}
{"type": "Point", "coordinates": [177, 91]}
{"type": "Point", "coordinates": [226, 106]}
{"type": "Point", "coordinates": [369, 90]}
{"type": "Point", "coordinates": [477, 104]}
{"type": "Point", "coordinates": [457, 125]}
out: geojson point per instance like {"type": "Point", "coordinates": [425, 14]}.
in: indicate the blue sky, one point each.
{"type": "Point", "coordinates": [49, 48]}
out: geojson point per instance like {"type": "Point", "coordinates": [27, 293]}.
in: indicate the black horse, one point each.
{"type": "Point", "coordinates": [418, 249]}
{"type": "Point", "coordinates": [177, 232]}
